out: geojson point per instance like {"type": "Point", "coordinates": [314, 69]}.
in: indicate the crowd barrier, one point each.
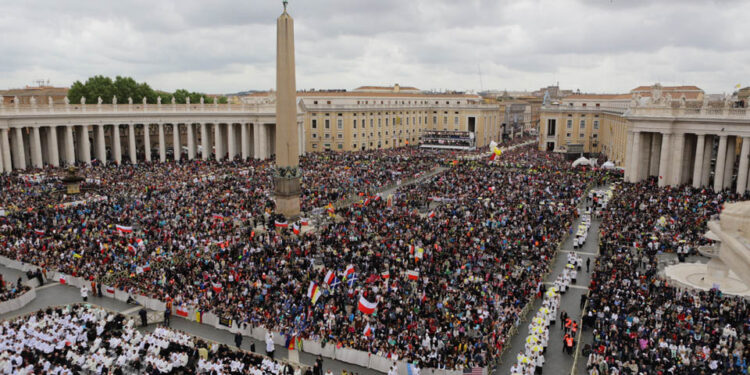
{"type": "Point", "coordinates": [18, 302]}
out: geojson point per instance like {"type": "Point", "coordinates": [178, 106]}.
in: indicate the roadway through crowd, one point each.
{"type": "Point", "coordinates": [556, 360]}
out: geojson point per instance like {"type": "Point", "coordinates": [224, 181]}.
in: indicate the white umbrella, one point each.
{"type": "Point", "coordinates": [581, 161]}
{"type": "Point", "coordinates": [608, 165]}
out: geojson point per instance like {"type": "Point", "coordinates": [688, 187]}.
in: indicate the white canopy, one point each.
{"type": "Point", "coordinates": [608, 165]}
{"type": "Point", "coordinates": [581, 161]}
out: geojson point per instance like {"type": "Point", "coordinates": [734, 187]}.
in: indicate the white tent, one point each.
{"type": "Point", "coordinates": [581, 161]}
{"type": "Point", "coordinates": [608, 165]}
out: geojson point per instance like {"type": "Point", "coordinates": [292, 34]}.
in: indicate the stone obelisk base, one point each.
{"type": "Point", "coordinates": [287, 192]}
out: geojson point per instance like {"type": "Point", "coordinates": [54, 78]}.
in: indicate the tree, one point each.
{"type": "Point", "coordinates": [127, 87]}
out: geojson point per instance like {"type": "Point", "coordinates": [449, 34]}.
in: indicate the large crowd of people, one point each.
{"type": "Point", "coordinates": [643, 325]}
{"type": "Point", "coordinates": [79, 339]}
{"type": "Point", "coordinates": [454, 258]}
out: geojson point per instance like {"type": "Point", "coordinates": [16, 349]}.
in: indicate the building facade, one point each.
{"type": "Point", "coordinates": [372, 117]}
{"type": "Point", "coordinates": [673, 133]}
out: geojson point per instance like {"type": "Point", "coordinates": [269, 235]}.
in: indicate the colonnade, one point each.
{"type": "Point", "coordinates": [23, 147]}
{"type": "Point", "coordinates": [689, 158]}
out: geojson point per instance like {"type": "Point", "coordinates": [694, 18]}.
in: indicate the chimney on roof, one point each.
{"type": "Point", "coordinates": [396, 88]}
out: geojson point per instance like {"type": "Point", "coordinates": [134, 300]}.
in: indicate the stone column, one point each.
{"type": "Point", "coordinates": [729, 162]}
{"type": "Point", "coordinates": [677, 159]}
{"type": "Point", "coordinates": [698, 165]}
{"type": "Point", "coordinates": [245, 141]}
{"type": "Point", "coordinates": [19, 154]}
{"type": "Point", "coordinates": [52, 151]}
{"type": "Point", "coordinates": [635, 157]}
{"type": "Point", "coordinates": [205, 144]}
{"type": "Point", "coordinates": [36, 148]}
{"type": "Point", "coordinates": [664, 167]}
{"type": "Point", "coordinates": [230, 140]}
{"type": "Point", "coordinates": [256, 141]}
{"type": "Point", "coordinates": [217, 142]}
{"type": "Point", "coordinates": [629, 159]}
{"type": "Point", "coordinates": [101, 147]}
{"type": "Point", "coordinates": [5, 143]}
{"type": "Point", "coordinates": [2, 155]}
{"type": "Point", "coordinates": [85, 145]}
{"type": "Point", "coordinates": [162, 146]}
{"type": "Point", "coordinates": [147, 140]}
{"type": "Point", "coordinates": [176, 142]}
{"type": "Point", "coordinates": [743, 171]}
{"type": "Point", "coordinates": [70, 156]}
{"type": "Point", "coordinates": [707, 156]}
{"type": "Point", "coordinates": [131, 144]}
{"type": "Point", "coordinates": [116, 147]}
{"type": "Point", "coordinates": [653, 164]}
{"type": "Point", "coordinates": [720, 164]}
{"type": "Point", "coordinates": [190, 141]}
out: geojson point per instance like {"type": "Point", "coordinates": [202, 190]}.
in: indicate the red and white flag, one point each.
{"type": "Point", "coordinates": [281, 224]}
{"type": "Point", "coordinates": [366, 307]}
{"type": "Point", "coordinates": [431, 215]}
{"type": "Point", "coordinates": [385, 275]}
{"type": "Point", "coordinates": [330, 276]}
{"type": "Point", "coordinates": [295, 228]}
{"type": "Point", "coordinates": [217, 216]}
{"type": "Point", "coordinates": [110, 290]}
{"type": "Point", "coordinates": [124, 229]}
{"type": "Point", "coordinates": [412, 275]}
{"type": "Point", "coordinates": [304, 221]}
{"type": "Point", "coordinates": [63, 279]}
{"type": "Point", "coordinates": [181, 312]}
{"type": "Point", "coordinates": [368, 331]}
{"type": "Point", "coordinates": [349, 270]}
{"type": "Point", "coordinates": [39, 232]}
{"type": "Point", "coordinates": [216, 287]}
{"type": "Point", "coordinates": [139, 242]}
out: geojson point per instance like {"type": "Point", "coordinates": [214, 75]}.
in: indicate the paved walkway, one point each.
{"type": "Point", "coordinates": [56, 294]}
{"type": "Point", "coordinates": [557, 362]}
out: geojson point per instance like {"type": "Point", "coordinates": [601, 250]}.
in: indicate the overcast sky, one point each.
{"type": "Point", "coordinates": [225, 46]}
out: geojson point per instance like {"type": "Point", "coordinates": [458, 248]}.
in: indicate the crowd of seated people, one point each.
{"type": "Point", "coordinates": [455, 276]}
{"type": "Point", "coordinates": [641, 323]}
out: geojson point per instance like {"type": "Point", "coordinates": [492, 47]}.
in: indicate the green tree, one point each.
{"type": "Point", "coordinates": [77, 90]}
{"type": "Point", "coordinates": [124, 88]}
{"type": "Point", "coordinates": [99, 87]}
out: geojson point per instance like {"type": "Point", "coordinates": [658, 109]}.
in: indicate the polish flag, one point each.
{"type": "Point", "coordinates": [216, 287]}
{"type": "Point", "coordinates": [181, 312]}
{"type": "Point", "coordinates": [39, 231]}
{"type": "Point", "coordinates": [412, 275]}
{"type": "Point", "coordinates": [366, 307]}
{"type": "Point", "coordinates": [110, 290]}
{"type": "Point", "coordinates": [367, 201]}
{"type": "Point", "coordinates": [431, 215]}
{"type": "Point", "coordinates": [349, 271]}
{"type": "Point", "coordinates": [411, 249]}
{"type": "Point", "coordinates": [281, 224]}
{"type": "Point", "coordinates": [368, 331]}
{"type": "Point", "coordinates": [124, 229]}
{"type": "Point", "coordinates": [304, 221]}
{"type": "Point", "coordinates": [295, 228]}
{"type": "Point", "coordinates": [63, 279]}
{"type": "Point", "coordinates": [330, 276]}
{"type": "Point", "coordinates": [386, 275]}
{"type": "Point", "coordinates": [139, 242]}
{"type": "Point", "coordinates": [131, 249]}
{"type": "Point", "coordinates": [217, 216]}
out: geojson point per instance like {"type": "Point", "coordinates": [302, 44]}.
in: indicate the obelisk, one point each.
{"type": "Point", "coordinates": [287, 175]}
